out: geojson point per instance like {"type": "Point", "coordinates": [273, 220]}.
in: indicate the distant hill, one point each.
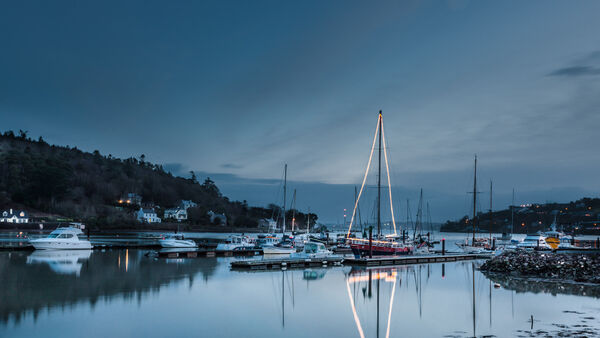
{"type": "Point", "coordinates": [52, 181]}
{"type": "Point", "coordinates": [579, 217]}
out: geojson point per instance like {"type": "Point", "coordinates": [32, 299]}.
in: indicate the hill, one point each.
{"type": "Point", "coordinates": [577, 217]}
{"type": "Point", "coordinates": [53, 182]}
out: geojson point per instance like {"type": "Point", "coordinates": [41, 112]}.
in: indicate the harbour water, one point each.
{"type": "Point", "coordinates": [124, 293]}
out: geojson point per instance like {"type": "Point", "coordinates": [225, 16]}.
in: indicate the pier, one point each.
{"type": "Point", "coordinates": [413, 259]}
{"type": "Point", "coordinates": [187, 253]}
{"type": "Point", "coordinates": [287, 263]}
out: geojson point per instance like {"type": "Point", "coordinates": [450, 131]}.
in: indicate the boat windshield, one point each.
{"type": "Point", "coordinates": [60, 236]}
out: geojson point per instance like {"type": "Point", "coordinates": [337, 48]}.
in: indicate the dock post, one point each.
{"type": "Point", "coordinates": [443, 246]}
{"type": "Point", "coordinates": [494, 243]}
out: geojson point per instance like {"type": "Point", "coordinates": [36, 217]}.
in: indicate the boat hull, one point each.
{"type": "Point", "coordinates": [363, 250]}
{"type": "Point", "coordinates": [273, 250]}
{"type": "Point", "coordinates": [166, 243]}
{"type": "Point", "coordinates": [48, 244]}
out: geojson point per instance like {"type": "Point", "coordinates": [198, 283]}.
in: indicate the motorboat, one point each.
{"type": "Point", "coordinates": [176, 241]}
{"type": "Point", "coordinates": [285, 247]}
{"type": "Point", "coordinates": [313, 250]}
{"type": "Point", "coordinates": [64, 238]}
{"type": "Point", "coordinates": [478, 245]}
{"type": "Point", "coordinates": [301, 239]}
{"type": "Point", "coordinates": [60, 261]}
{"type": "Point", "coordinates": [267, 240]}
{"type": "Point", "coordinates": [534, 241]}
{"type": "Point", "coordinates": [236, 242]}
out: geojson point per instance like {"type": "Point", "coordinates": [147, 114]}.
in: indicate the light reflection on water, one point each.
{"type": "Point", "coordinates": [124, 293]}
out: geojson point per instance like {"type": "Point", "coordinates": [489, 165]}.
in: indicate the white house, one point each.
{"type": "Point", "coordinates": [147, 215]}
{"type": "Point", "coordinates": [179, 214]}
{"type": "Point", "coordinates": [185, 204]}
{"type": "Point", "coordinates": [14, 217]}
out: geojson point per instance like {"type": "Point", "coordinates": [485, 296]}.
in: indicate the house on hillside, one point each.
{"type": "Point", "coordinates": [147, 215]}
{"type": "Point", "coordinates": [185, 204]}
{"type": "Point", "coordinates": [131, 198]}
{"type": "Point", "coordinates": [179, 214]}
{"type": "Point", "coordinates": [8, 216]}
{"type": "Point", "coordinates": [221, 218]}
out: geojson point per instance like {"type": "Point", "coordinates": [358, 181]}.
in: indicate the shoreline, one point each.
{"type": "Point", "coordinates": [545, 267]}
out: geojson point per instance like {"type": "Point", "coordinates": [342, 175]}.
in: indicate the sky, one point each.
{"type": "Point", "coordinates": [235, 89]}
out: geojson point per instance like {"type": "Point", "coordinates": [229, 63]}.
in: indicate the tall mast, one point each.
{"type": "Point", "coordinates": [512, 213]}
{"type": "Point", "coordinates": [294, 210]}
{"type": "Point", "coordinates": [474, 198]}
{"type": "Point", "coordinates": [491, 216]}
{"type": "Point", "coordinates": [419, 220]}
{"type": "Point", "coordinates": [308, 221]}
{"type": "Point", "coordinates": [379, 179]}
{"type": "Point", "coordinates": [284, 196]}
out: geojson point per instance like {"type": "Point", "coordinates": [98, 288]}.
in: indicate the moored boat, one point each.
{"type": "Point", "coordinates": [65, 238]}
{"type": "Point", "coordinates": [313, 250]}
{"type": "Point", "coordinates": [176, 241]}
{"type": "Point", "coordinates": [534, 242]}
{"type": "Point", "coordinates": [380, 245]}
{"type": "Point", "coordinates": [236, 242]}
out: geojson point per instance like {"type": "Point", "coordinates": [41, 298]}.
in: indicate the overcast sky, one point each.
{"type": "Point", "coordinates": [241, 87]}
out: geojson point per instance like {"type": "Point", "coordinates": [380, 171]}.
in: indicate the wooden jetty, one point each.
{"type": "Point", "coordinates": [413, 259]}
{"type": "Point", "coordinates": [287, 263]}
{"type": "Point", "coordinates": [186, 253]}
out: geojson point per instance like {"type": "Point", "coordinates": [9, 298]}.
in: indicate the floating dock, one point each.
{"type": "Point", "coordinates": [183, 253]}
{"type": "Point", "coordinates": [288, 263]}
{"type": "Point", "coordinates": [413, 259]}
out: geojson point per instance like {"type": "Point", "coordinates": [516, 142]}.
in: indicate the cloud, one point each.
{"type": "Point", "coordinates": [574, 71]}
{"type": "Point", "coordinates": [231, 166]}
{"type": "Point", "coordinates": [585, 66]}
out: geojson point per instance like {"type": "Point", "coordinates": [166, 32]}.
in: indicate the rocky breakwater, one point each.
{"type": "Point", "coordinates": [578, 268]}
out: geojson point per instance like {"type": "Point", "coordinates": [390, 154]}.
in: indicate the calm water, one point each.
{"type": "Point", "coordinates": [123, 293]}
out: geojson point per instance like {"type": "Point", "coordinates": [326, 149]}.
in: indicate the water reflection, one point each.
{"type": "Point", "coordinates": [362, 279]}
{"type": "Point", "coordinates": [46, 279]}
{"type": "Point", "coordinates": [123, 291]}
{"type": "Point", "coordinates": [60, 261]}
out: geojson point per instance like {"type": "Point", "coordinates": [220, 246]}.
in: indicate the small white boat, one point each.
{"type": "Point", "coordinates": [534, 241]}
{"type": "Point", "coordinates": [481, 245]}
{"type": "Point", "coordinates": [279, 250]}
{"type": "Point", "coordinates": [62, 239]}
{"type": "Point", "coordinates": [176, 241]}
{"type": "Point", "coordinates": [313, 250]}
{"type": "Point", "coordinates": [236, 243]}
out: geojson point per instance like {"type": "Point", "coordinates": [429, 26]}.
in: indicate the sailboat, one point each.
{"type": "Point", "coordinates": [478, 244]}
{"type": "Point", "coordinates": [381, 245]}
{"type": "Point", "coordinates": [286, 245]}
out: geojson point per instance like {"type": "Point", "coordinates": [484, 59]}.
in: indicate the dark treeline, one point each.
{"type": "Point", "coordinates": [65, 181]}
{"type": "Point", "coordinates": [577, 217]}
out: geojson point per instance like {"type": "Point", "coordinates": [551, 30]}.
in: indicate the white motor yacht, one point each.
{"type": "Point", "coordinates": [236, 243]}
{"type": "Point", "coordinates": [313, 250]}
{"type": "Point", "coordinates": [176, 241]}
{"type": "Point", "coordinates": [285, 247]}
{"type": "Point", "coordinates": [62, 239]}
